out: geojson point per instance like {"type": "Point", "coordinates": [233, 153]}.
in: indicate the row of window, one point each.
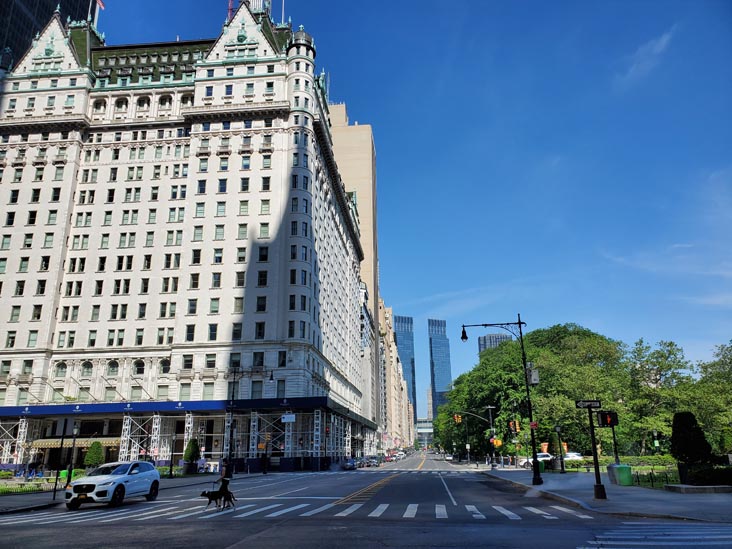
{"type": "Point", "coordinates": [53, 83]}
{"type": "Point", "coordinates": [30, 102]}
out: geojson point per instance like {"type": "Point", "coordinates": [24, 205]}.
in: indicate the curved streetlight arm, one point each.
{"type": "Point", "coordinates": [511, 328]}
{"type": "Point", "coordinates": [475, 415]}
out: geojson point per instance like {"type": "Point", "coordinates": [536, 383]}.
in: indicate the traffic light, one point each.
{"type": "Point", "coordinates": [458, 418]}
{"type": "Point", "coordinates": [454, 417]}
{"type": "Point", "coordinates": [327, 430]}
{"type": "Point", "coordinates": [518, 426]}
{"type": "Point", "coordinates": [607, 419]}
{"type": "Point", "coordinates": [512, 426]}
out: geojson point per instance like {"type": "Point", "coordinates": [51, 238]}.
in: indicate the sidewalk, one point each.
{"type": "Point", "coordinates": [578, 489]}
{"type": "Point", "coordinates": [16, 503]}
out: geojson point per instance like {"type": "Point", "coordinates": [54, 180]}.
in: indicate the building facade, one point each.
{"type": "Point", "coordinates": [491, 341]}
{"type": "Point", "coordinates": [440, 369]}
{"type": "Point", "coordinates": [179, 256]}
{"type": "Point", "coordinates": [404, 337]}
{"type": "Point", "coordinates": [355, 153]}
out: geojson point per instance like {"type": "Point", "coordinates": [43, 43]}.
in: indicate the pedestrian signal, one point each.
{"type": "Point", "coordinates": [607, 419]}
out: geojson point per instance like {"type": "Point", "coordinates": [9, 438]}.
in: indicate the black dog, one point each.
{"type": "Point", "coordinates": [218, 497]}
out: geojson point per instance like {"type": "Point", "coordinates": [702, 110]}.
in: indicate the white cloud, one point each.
{"type": "Point", "coordinates": [723, 300]}
{"type": "Point", "coordinates": [644, 60]}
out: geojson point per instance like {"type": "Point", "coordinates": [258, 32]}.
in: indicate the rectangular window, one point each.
{"type": "Point", "coordinates": [256, 389]}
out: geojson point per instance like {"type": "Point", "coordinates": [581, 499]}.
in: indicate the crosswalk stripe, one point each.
{"type": "Point", "coordinates": [201, 510]}
{"type": "Point", "coordinates": [349, 510]}
{"type": "Point", "coordinates": [99, 514]}
{"type": "Point", "coordinates": [283, 511]}
{"type": "Point", "coordinates": [411, 511]}
{"type": "Point", "coordinates": [506, 512]}
{"type": "Point", "coordinates": [474, 510]}
{"type": "Point", "coordinates": [571, 512]}
{"type": "Point", "coordinates": [318, 510]}
{"type": "Point", "coordinates": [226, 512]}
{"type": "Point", "coordinates": [379, 510]}
{"type": "Point", "coordinates": [24, 517]}
{"type": "Point", "coordinates": [173, 512]}
{"type": "Point", "coordinates": [72, 517]}
{"type": "Point", "coordinates": [440, 512]}
{"type": "Point", "coordinates": [540, 512]}
{"type": "Point", "coordinates": [255, 511]}
{"type": "Point", "coordinates": [115, 519]}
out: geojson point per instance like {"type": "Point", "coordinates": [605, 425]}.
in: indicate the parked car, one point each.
{"type": "Point", "coordinates": [448, 457]}
{"type": "Point", "coordinates": [540, 456]}
{"type": "Point", "coordinates": [113, 482]}
{"type": "Point", "coordinates": [360, 462]}
{"type": "Point", "coordinates": [573, 456]}
{"type": "Point", "coordinates": [349, 465]}
{"type": "Point", "coordinates": [372, 461]}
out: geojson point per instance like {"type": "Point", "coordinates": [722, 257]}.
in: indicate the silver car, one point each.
{"type": "Point", "coordinates": [113, 482]}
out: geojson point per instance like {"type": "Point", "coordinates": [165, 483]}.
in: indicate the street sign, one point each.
{"type": "Point", "coordinates": [587, 403]}
{"type": "Point", "coordinates": [534, 424]}
{"type": "Point", "coordinates": [467, 446]}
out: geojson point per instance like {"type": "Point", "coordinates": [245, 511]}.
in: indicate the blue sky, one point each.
{"type": "Point", "coordinates": [569, 161]}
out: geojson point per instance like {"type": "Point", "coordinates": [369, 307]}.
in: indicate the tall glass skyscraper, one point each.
{"type": "Point", "coordinates": [404, 335]}
{"type": "Point", "coordinates": [490, 341]}
{"type": "Point", "coordinates": [440, 369]}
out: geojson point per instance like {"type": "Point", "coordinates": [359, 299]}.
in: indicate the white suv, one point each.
{"type": "Point", "coordinates": [540, 456]}
{"type": "Point", "coordinates": [113, 482]}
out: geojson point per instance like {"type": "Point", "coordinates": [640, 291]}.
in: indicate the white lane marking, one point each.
{"type": "Point", "coordinates": [219, 513]}
{"type": "Point", "coordinates": [98, 514]}
{"type": "Point", "coordinates": [379, 510]}
{"type": "Point", "coordinates": [201, 510]}
{"type": "Point", "coordinates": [506, 512]}
{"type": "Point", "coordinates": [349, 510]}
{"type": "Point", "coordinates": [448, 490]}
{"type": "Point", "coordinates": [290, 492]}
{"type": "Point", "coordinates": [262, 510]}
{"type": "Point", "coordinates": [571, 512]}
{"type": "Point", "coordinates": [136, 515]}
{"type": "Point", "coordinates": [283, 511]}
{"type": "Point", "coordinates": [440, 511]}
{"type": "Point", "coordinates": [27, 517]}
{"type": "Point", "coordinates": [540, 512]}
{"type": "Point", "coordinates": [474, 510]}
{"type": "Point", "coordinates": [73, 517]}
{"type": "Point", "coordinates": [173, 512]}
{"type": "Point", "coordinates": [318, 510]}
{"type": "Point", "coordinates": [411, 511]}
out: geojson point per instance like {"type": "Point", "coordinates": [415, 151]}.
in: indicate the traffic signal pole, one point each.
{"type": "Point", "coordinates": [599, 488]}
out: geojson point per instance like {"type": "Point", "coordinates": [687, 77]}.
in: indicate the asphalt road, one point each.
{"type": "Point", "coordinates": [421, 501]}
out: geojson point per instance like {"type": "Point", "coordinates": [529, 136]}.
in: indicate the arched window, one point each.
{"type": "Point", "coordinates": [60, 370]}
{"type": "Point", "coordinates": [87, 368]}
{"type": "Point", "coordinates": [143, 103]}
{"type": "Point", "coordinates": [165, 366]}
{"type": "Point", "coordinates": [166, 102]}
{"type": "Point", "coordinates": [100, 106]}
{"type": "Point", "coordinates": [187, 100]}
{"type": "Point", "coordinates": [121, 104]}
{"type": "Point", "coordinates": [139, 367]}
{"type": "Point", "coordinates": [112, 368]}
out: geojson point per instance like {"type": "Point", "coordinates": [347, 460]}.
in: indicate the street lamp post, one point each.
{"type": "Point", "coordinates": [493, 434]}
{"type": "Point", "coordinates": [70, 469]}
{"type": "Point", "coordinates": [512, 328]}
{"type": "Point", "coordinates": [235, 373]}
{"type": "Point", "coordinates": [558, 429]}
{"type": "Point", "coordinates": [172, 453]}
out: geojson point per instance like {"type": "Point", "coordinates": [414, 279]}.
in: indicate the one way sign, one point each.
{"type": "Point", "coordinates": [587, 404]}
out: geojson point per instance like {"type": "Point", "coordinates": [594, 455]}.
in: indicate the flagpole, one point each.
{"type": "Point", "coordinates": [88, 15]}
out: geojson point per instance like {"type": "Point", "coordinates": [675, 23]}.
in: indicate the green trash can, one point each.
{"type": "Point", "coordinates": [624, 475]}
{"type": "Point", "coordinates": [62, 475]}
{"type": "Point", "coordinates": [541, 466]}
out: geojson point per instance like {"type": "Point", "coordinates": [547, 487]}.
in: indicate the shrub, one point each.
{"type": "Point", "coordinates": [688, 444]}
{"type": "Point", "coordinates": [6, 474]}
{"type": "Point", "coordinates": [711, 477]}
{"type": "Point", "coordinates": [193, 451]}
{"type": "Point", "coordinates": [95, 455]}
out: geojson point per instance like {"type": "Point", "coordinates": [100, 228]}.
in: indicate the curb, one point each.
{"type": "Point", "coordinates": [584, 505]}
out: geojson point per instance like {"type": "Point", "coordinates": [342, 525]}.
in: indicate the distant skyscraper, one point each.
{"type": "Point", "coordinates": [440, 370]}
{"type": "Point", "coordinates": [404, 334]}
{"type": "Point", "coordinates": [20, 20]}
{"type": "Point", "coordinates": [429, 403]}
{"type": "Point", "coordinates": [489, 341]}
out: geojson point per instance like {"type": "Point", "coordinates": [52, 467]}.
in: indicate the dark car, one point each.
{"type": "Point", "coordinates": [349, 465]}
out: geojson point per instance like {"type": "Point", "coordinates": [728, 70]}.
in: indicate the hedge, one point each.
{"type": "Point", "coordinates": [711, 476]}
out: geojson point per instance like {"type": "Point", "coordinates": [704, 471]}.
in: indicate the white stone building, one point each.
{"type": "Point", "coordinates": [179, 257]}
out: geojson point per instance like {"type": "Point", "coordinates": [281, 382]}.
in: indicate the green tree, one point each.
{"type": "Point", "coordinates": [95, 455]}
